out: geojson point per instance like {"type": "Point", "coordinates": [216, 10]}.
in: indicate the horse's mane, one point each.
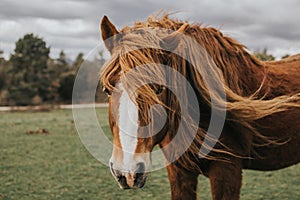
{"type": "Point", "coordinates": [244, 104]}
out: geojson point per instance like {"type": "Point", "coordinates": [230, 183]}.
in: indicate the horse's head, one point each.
{"type": "Point", "coordinates": [130, 120]}
{"type": "Point", "coordinates": [133, 143]}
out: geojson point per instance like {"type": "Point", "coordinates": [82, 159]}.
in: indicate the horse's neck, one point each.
{"type": "Point", "coordinates": [249, 75]}
{"type": "Point", "coordinates": [251, 78]}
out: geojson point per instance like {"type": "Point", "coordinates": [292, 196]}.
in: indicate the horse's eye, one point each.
{"type": "Point", "coordinates": [107, 91]}
{"type": "Point", "coordinates": [159, 90]}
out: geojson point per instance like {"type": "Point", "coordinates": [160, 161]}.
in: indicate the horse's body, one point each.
{"type": "Point", "coordinates": [284, 77]}
{"type": "Point", "coordinates": [262, 131]}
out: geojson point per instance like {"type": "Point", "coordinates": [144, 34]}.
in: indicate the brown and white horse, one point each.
{"type": "Point", "coordinates": [262, 126]}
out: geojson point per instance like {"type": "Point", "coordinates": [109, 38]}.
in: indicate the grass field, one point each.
{"type": "Point", "coordinates": [57, 166]}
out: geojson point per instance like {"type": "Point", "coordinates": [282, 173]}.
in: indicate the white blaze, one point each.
{"type": "Point", "coordinates": [128, 126]}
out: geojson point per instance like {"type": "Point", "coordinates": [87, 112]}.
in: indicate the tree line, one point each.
{"type": "Point", "coordinates": [31, 77]}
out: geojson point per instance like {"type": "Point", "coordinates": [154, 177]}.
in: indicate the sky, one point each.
{"type": "Point", "coordinates": [73, 25]}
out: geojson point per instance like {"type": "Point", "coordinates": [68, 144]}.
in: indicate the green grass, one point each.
{"type": "Point", "coordinates": [57, 166]}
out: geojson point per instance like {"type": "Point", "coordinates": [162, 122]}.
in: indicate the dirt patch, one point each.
{"type": "Point", "coordinates": [38, 131]}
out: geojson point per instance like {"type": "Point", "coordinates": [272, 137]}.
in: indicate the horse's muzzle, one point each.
{"type": "Point", "coordinates": [129, 180]}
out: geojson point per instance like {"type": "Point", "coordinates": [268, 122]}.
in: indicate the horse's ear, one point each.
{"type": "Point", "coordinates": [108, 31]}
{"type": "Point", "coordinates": [171, 41]}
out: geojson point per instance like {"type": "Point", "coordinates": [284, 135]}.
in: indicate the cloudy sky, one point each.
{"type": "Point", "coordinates": [73, 25]}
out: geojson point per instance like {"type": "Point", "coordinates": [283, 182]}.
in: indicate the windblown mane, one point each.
{"type": "Point", "coordinates": [244, 104]}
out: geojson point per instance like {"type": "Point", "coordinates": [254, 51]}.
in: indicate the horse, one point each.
{"type": "Point", "coordinates": [261, 129]}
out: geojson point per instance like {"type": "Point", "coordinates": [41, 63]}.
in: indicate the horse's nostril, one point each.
{"type": "Point", "coordinates": [115, 172]}
{"type": "Point", "coordinates": [140, 168]}
{"type": "Point", "coordinates": [140, 177]}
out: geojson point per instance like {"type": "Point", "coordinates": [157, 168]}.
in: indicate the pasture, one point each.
{"type": "Point", "coordinates": [57, 166]}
